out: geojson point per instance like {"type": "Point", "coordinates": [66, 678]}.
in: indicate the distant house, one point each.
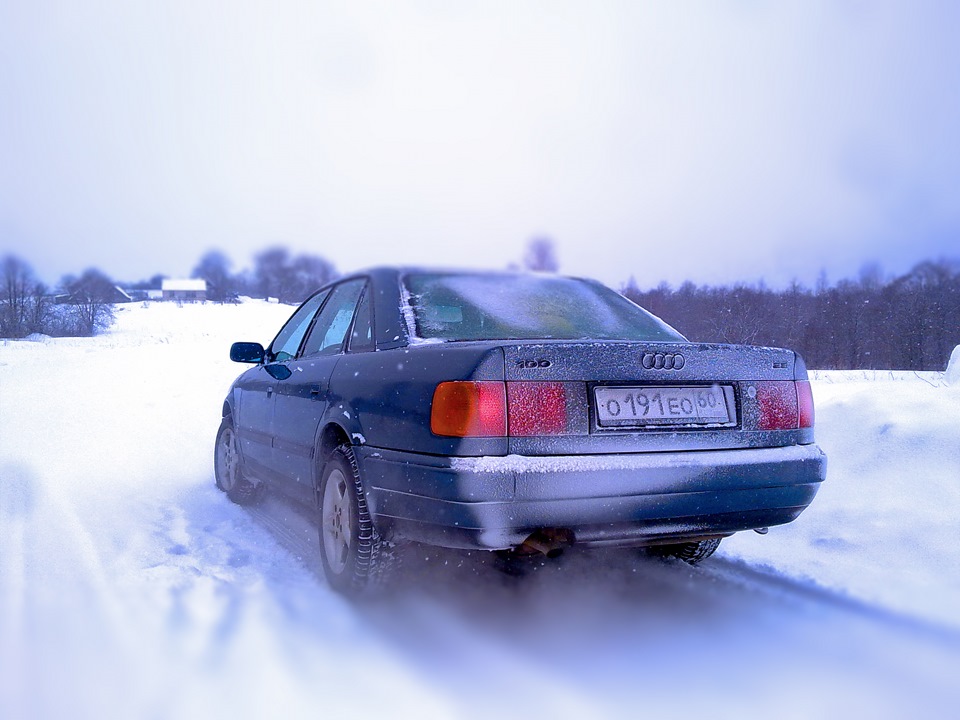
{"type": "Point", "coordinates": [185, 290]}
{"type": "Point", "coordinates": [115, 295]}
{"type": "Point", "coordinates": [139, 294]}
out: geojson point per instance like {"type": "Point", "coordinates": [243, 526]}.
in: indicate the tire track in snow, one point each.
{"type": "Point", "coordinates": [600, 628]}
{"type": "Point", "coordinates": [16, 506]}
{"type": "Point", "coordinates": [61, 599]}
{"type": "Point", "coordinates": [490, 662]}
{"type": "Point", "coordinates": [778, 586]}
{"type": "Point", "coordinates": [294, 529]}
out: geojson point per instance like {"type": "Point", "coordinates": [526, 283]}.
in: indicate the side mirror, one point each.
{"type": "Point", "coordinates": [247, 352]}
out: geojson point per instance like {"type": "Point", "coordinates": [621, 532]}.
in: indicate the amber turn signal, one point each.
{"type": "Point", "coordinates": [469, 409]}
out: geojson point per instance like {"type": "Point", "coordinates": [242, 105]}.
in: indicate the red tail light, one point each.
{"type": "Point", "coordinates": [536, 408]}
{"type": "Point", "coordinates": [498, 409]}
{"type": "Point", "coordinates": [469, 409]}
{"type": "Point", "coordinates": [784, 405]}
{"type": "Point", "coordinates": [805, 401]}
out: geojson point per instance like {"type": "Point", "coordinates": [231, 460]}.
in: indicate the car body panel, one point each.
{"type": "Point", "coordinates": [495, 503]}
{"type": "Point", "coordinates": [253, 415]}
{"type": "Point", "coordinates": [300, 402]}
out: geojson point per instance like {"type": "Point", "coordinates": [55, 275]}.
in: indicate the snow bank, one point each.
{"type": "Point", "coordinates": [953, 367]}
{"type": "Point", "coordinates": [884, 525]}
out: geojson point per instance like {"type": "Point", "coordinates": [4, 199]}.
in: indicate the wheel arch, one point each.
{"type": "Point", "coordinates": [330, 437]}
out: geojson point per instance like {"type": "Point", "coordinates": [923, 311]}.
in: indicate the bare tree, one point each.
{"type": "Point", "coordinates": [909, 322]}
{"type": "Point", "coordinates": [541, 255]}
{"type": "Point", "coordinates": [24, 305]}
{"type": "Point", "coordinates": [275, 274]}
{"type": "Point", "coordinates": [271, 272]}
{"type": "Point", "coordinates": [214, 267]}
{"type": "Point", "coordinates": [91, 297]}
{"type": "Point", "coordinates": [308, 272]}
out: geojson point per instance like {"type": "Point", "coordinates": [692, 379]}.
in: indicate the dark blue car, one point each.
{"type": "Point", "coordinates": [516, 413]}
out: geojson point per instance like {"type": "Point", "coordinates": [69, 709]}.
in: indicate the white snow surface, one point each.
{"type": "Point", "coordinates": [131, 588]}
{"type": "Point", "coordinates": [885, 526]}
{"type": "Point", "coordinates": [953, 367]}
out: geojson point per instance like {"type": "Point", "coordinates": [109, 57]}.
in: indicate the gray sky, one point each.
{"type": "Point", "coordinates": [713, 141]}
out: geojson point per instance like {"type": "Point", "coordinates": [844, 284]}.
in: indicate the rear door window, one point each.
{"type": "Point", "coordinates": [361, 337]}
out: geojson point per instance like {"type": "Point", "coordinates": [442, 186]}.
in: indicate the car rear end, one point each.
{"type": "Point", "coordinates": [605, 442]}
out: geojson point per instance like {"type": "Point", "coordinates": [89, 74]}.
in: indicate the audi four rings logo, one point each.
{"type": "Point", "coordinates": [662, 361]}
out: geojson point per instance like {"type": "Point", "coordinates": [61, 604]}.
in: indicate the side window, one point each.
{"type": "Point", "coordinates": [285, 345]}
{"type": "Point", "coordinates": [330, 330]}
{"type": "Point", "coordinates": [361, 339]}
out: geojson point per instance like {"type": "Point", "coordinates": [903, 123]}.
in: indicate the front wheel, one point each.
{"type": "Point", "coordinates": [355, 558]}
{"type": "Point", "coordinates": [227, 468]}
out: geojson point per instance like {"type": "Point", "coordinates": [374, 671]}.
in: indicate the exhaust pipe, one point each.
{"type": "Point", "coordinates": [550, 542]}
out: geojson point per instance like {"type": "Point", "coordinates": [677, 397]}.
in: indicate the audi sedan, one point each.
{"type": "Point", "coordinates": [512, 412]}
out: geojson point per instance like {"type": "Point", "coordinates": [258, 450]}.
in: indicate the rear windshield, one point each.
{"type": "Point", "coordinates": [525, 307]}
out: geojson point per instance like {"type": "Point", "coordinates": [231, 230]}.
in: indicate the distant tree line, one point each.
{"type": "Point", "coordinates": [275, 274]}
{"type": "Point", "coordinates": [910, 322]}
{"type": "Point", "coordinates": [27, 306]}
{"type": "Point", "coordinates": [81, 306]}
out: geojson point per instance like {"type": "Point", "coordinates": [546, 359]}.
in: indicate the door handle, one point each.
{"type": "Point", "coordinates": [269, 391]}
{"type": "Point", "coordinates": [315, 392]}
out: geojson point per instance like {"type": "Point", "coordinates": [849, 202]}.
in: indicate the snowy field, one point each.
{"type": "Point", "coordinates": [131, 588]}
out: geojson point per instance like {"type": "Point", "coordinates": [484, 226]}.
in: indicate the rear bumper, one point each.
{"type": "Point", "coordinates": [630, 499]}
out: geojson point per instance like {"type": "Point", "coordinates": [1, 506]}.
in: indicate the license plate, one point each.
{"type": "Point", "coordinates": [638, 406]}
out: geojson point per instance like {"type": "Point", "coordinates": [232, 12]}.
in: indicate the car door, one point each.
{"type": "Point", "coordinates": [258, 386]}
{"type": "Point", "coordinates": [253, 416]}
{"type": "Point", "coordinates": [303, 398]}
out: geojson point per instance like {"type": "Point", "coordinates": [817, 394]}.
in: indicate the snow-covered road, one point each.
{"type": "Point", "coordinates": [615, 630]}
{"type": "Point", "coordinates": [130, 587]}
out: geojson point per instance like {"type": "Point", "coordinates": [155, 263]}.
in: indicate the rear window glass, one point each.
{"type": "Point", "coordinates": [525, 307]}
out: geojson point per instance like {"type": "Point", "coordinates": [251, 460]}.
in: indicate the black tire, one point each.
{"type": "Point", "coordinates": [228, 468]}
{"type": "Point", "coordinates": [691, 553]}
{"type": "Point", "coordinates": [356, 560]}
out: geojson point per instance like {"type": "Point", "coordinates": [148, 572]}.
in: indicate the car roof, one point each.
{"type": "Point", "coordinates": [401, 270]}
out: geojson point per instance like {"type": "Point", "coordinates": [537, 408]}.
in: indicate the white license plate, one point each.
{"type": "Point", "coordinates": [637, 406]}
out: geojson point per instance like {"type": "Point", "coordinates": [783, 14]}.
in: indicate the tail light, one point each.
{"type": "Point", "coordinates": [469, 409]}
{"type": "Point", "coordinates": [536, 408]}
{"type": "Point", "coordinates": [784, 405]}
{"type": "Point", "coordinates": [805, 401]}
{"type": "Point", "coordinates": [498, 409]}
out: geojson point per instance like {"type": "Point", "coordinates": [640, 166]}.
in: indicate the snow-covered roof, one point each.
{"type": "Point", "coordinates": [184, 285]}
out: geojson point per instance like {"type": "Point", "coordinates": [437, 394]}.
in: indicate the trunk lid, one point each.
{"type": "Point", "coordinates": [740, 375]}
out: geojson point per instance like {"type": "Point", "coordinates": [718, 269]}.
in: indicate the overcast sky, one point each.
{"type": "Point", "coordinates": [669, 141]}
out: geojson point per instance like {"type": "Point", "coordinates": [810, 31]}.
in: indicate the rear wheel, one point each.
{"type": "Point", "coordinates": [227, 468]}
{"type": "Point", "coordinates": [690, 552]}
{"type": "Point", "coordinates": [356, 560]}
